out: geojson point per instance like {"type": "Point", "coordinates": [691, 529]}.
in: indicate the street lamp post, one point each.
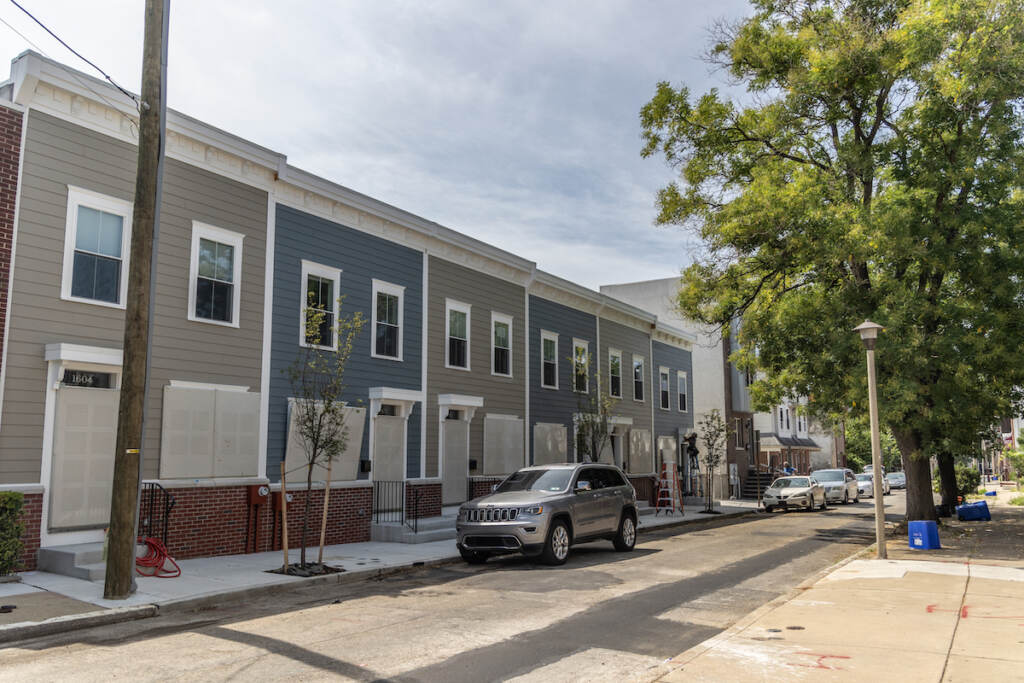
{"type": "Point", "coordinates": [868, 334]}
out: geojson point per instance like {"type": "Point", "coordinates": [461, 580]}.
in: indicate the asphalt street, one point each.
{"type": "Point", "coordinates": [603, 616]}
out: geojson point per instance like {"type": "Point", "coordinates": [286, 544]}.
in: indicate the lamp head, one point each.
{"type": "Point", "coordinates": [868, 333]}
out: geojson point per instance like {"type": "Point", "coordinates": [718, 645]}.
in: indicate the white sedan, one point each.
{"type": "Point", "coordinates": [797, 492]}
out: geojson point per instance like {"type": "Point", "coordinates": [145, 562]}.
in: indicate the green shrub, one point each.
{"type": "Point", "coordinates": [11, 530]}
{"type": "Point", "coordinates": [1017, 500]}
{"type": "Point", "coordinates": [968, 481]}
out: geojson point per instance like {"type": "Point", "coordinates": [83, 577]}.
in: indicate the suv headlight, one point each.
{"type": "Point", "coordinates": [532, 510]}
{"type": "Point", "coordinates": [463, 514]}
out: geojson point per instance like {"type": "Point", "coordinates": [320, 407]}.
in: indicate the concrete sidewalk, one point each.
{"type": "Point", "coordinates": [50, 603]}
{"type": "Point", "coordinates": [951, 615]}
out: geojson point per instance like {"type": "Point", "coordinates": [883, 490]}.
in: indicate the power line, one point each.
{"type": "Point", "coordinates": [76, 52]}
{"type": "Point", "coordinates": [70, 72]}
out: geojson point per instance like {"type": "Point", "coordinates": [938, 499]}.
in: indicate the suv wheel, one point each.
{"type": "Point", "coordinates": [473, 556]}
{"type": "Point", "coordinates": [846, 497]}
{"type": "Point", "coordinates": [556, 548]}
{"type": "Point", "coordinates": [625, 539]}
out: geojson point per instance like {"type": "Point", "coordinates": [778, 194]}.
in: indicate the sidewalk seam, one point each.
{"type": "Point", "coordinates": [956, 627]}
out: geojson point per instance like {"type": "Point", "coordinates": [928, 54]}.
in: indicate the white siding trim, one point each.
{"type": "Point", "coordinates": [614, 353]}
{"type": "Point", "coordinates": [77, 197]}
{"type": "Point", "coordinates": [423, 366]}
{"type": "Point", "coordinates": [453, 305]}
{"type": "Point", "coordinates": [268, 326]}
{"type": "Point", "coordinates": [552, 336]}
{"type": "Point", "coordinates": [327, 273]}
{"type": "Point", "coordinates": [382, 287]}
{"type": "Point", "coordinates": [507, 319]}
{"type": "Point", "coordinates": [682, 389]}
{"type": "Point", "coordinates": [233, 239]}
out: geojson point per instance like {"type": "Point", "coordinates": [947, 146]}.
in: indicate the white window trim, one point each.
{"type": "Point", "coordinates": [78, 196]}
{"type": "Point", "coordinates": [327, 273]}
{"type": "Point", "coordinates": [453, 305]}
{"type": "Point", "coordinates": [632, 377]}
{"type": "Point", "coordinates": [585, 345]}
{"type": "Point", "coordinates": [507, 319]}
{"type": "Point", "coordinates": [234, 239]}
{"type": "Point", "coordinates": [664, 372]}
{"type": "Point", "coordinates": [682, 388]}
{"type": "Point", "coordinates": [382, 287]}
{"type": "Point", "coordinates": [544, 334]}
{"type": "Point", "coordinates": [614, 353]}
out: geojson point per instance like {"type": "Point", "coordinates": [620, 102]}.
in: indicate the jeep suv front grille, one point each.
{"type": "Point", "coordinates": [493, 515]}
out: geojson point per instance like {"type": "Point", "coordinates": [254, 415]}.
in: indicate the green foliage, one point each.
{"type": "Point", "coordinates": [11, 529]}
{"type": "Point", "coordinates": [594, 411]}
{"type": "Point", "coordinates": [1016, 459]}
{"type": "Point", "coordinates": [968, 479]}
{"type": "Point", "coordinates": [1017, 500]}
{"type": "Point", "coordinates": [858, 446]}
{"type": "Point", "coordinates": [715, 435]}
{"type": "Point", "coordinates": [872, 170]}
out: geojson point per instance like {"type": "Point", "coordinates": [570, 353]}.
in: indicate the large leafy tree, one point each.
{"type": "Point", "coordinates": [871, 169]}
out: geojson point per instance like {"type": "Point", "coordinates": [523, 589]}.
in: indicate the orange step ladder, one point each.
{"type": "Point", "coordinates": [670, 498]}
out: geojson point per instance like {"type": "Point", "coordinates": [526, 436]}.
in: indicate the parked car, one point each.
{"type": "Point", "coordinates": [541, 511]}
{"type": "Point", "coordinates": [865, 486]}
{"type": "Point", "coordinates": [840, 485]}
{"type": "Point", "coordinates": [885, 482]}
{"type": "Point", "coordinates": [797, 492]}
{"type": "Point", "coordinates": [896, 480]}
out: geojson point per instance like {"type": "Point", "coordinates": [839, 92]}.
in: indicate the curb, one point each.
{"type": "Point", "coordinates": [34, 629]}
{"type": "Point", "coordinates": [687, 656]}
{"type": "Point", "coordinates": [688, 522]}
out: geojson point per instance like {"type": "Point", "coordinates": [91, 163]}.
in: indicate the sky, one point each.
{"type": "Point", "coordinates": [513, 121]}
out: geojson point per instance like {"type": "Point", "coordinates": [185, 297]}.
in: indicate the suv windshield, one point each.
{"type": "Point", "coordinates": [829, 475]}
{"type": "Point", "coordinates": [536, 480]}
{"type": "Point", "coordinates": [863, 477]}
{"type": "Point", "coordinates": [791, 483]}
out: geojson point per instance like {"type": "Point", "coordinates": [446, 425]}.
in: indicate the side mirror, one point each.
{"type": "Point", "coordinates": [582, 485]}
{"type": "Point", "coordinates": [494, 487]}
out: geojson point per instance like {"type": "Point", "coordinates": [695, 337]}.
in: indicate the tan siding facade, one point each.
{"type": "Point", "coordinates": [59, 154]}
{"type": "Point", "coordinates": [501, 395]}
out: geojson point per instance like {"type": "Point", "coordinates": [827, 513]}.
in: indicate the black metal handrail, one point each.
{"type": "Point", "coordinates": [389, 502]}
{"type": "Point", "coordinates": [152, 491]}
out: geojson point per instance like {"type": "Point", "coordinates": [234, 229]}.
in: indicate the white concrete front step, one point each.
{"type": "Point", "coordinates": [427, 529]}
{"type": "Point", "coordinates": [79, 560]}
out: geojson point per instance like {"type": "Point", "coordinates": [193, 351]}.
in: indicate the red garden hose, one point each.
{"type": "Point", "coordinates": [154, 559]}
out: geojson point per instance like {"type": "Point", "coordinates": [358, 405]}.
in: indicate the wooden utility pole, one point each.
{"type": "Point", "coordinates": [120, 574]}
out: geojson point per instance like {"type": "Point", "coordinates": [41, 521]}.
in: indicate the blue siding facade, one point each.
{"type": "Point", "coordinates": [361, 258]}
{"type": "Point", "coordinates": [672, 422]}
{"type": "Point", "coordinates": [556, 406]}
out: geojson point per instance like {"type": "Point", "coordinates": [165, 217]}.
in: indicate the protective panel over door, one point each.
{"type": "Point", "coordinates": [550, 443]}
{"type": "Point", "coordinates": [84, 438]}
{"type": "Point", "coordinates": [503, 445]}
{"type": "Point", "coordinates": [456, 461]}
{"type": "Point", "coordinates": [346, 463]}
{"type": "Point", "coordinates": [640, 458]}
{"type": "Point", "coordinates": [388, 448]}
{"type": "Point", "coordinates": [666, 450]}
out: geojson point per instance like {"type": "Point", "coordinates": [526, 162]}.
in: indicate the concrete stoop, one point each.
{"type": "Point", "coordinates": [643, 508]}
{"type": "Point", "coordinates": [428, 529]}
{"type": "Point", "coordinates": [79, 560]}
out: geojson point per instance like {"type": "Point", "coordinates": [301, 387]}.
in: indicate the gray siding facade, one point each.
{"type": "Point", "coordinates": [556, 406]}
{"type": "Point", "coordinates": [59, 154]}
{"type": "Point", "coordinates": [501, 395]}
{"type": "Point", "coordinates": [672, 422]}
{"type": "Point", "coordinates": [632, 343]}
{"type": "Point", "coordinates": [361, 258]}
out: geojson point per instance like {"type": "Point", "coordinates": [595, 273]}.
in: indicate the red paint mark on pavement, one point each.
{"type": "Point", "coordinates": [819, 663]}
{"type": "Point", "coordinates": [931, 609]}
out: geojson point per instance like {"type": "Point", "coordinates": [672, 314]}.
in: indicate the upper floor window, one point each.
{"type": "Point", "coordinates": [681, 390]}
{"type": "Point", "coordinates": [501, 340]}
{"type": "Point", "coordinates": [215, 275]}
{"type": "Point", "coordinates": [788, 411]}
{"type": "Point", "coordinates": [615, 373]}
{"type": "Point", "coordinates": [387, 320]}
{"type": "Point", "coordinates": [457, 321]}
{"type": "Point", "coordinates": [319, 305]}
{"type": "Point", "coordinates": [664, 395]}
{"type": "Point", "coordinates": [97, 239]}
{"type": "Point", "coordinates": [782, 421]}
{"type": "Point", "coordinates": [548, 359]}
{"type": "Point", "coordinates": [580, 366]}
{"type": "Point", "coordinates": [638, 378]}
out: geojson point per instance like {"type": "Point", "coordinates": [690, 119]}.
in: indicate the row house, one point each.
{"type": "Point", "coordinates": [471, 363]}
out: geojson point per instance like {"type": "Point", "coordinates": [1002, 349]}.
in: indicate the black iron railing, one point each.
{"type": "Point", "coordinates": [396, 503]}
{"type": "Point", "coordinates": [155, 511]}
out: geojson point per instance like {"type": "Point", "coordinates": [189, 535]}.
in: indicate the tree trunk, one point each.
{"type": "Point", "coordinates": [947, 479]}
{"type": "Point", "coordinates": [920, 500]}
{"type": "Point", "coordinates": [305, 514]}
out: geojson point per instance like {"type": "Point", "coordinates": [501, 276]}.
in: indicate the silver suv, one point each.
{"type": "Point", "coordinates": [541, 511]}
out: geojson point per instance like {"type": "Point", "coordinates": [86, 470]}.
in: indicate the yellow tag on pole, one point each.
{"type": "Point", "coordinates": [132, 451]}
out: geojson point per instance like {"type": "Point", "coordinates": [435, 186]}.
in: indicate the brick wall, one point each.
{"type": "Point", "coordinates": [213, 521]}
{"type": "Point", "coordinates": [481, 486]}
{"type": "Point", "coordinates": [10, 150]}
{"type": "Point", "coordinates": [31, 517]}
{"type": "Point", "coordinates": [646, 488]}
{"type": "Point", "coordinates": [429, 504]}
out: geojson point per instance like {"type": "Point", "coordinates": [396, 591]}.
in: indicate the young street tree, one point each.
{"type": "Point", "coordinates": [872, 170]}
{"type": "Point", "coordinates": [594, 409]}
{"type": "Point", "coordinates": [317, 377]}
{"type": "Point", "coordinates": [715, 434]}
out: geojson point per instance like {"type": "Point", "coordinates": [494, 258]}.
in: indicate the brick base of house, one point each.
{"type": "Point", "coordinates": [422, 500]}
{"type": "Point", "coordinates": [31, 517]}
{"type": "Point", "coordinates": [646, 487]}
{"type": "Point", "coordinates": [481, 486]}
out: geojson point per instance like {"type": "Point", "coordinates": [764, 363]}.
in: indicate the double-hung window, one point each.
{"type": "Point", "coordinates": [615, 373]}
{"type": "Point", "coordinates": [319, 306]}
{"type": "Point", "coordinates": [548, 359]}
{"type": "Point", "coordinates": [580, 366]}
{"type": "Point", "coordinates": [96, 244]}
{"type": "Point", "coordinates": [457, 320]}
{"type": "Point", "coordinates": [638, 378]}
{"type": "Point", "coordinates": [387, 320]}
{"type": "Point", "coordinates": [664, 394]}
{"type": "Point", "coordinates": [215, 275]}
{"type": "Point", "coordinates": [501, 341]}
{"type": "Point", "coordinates": [681, 390]}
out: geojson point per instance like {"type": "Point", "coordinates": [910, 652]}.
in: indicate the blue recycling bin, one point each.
{"type": "Point", "coordinates": [923, 535]}
{"type": "Point", "coordinates": [990, 493]}
{"type": "Point", "coordinates": [974, 512]}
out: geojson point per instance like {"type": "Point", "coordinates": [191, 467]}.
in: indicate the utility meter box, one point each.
{"type": "Point", "coordinates": [259, 494]}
